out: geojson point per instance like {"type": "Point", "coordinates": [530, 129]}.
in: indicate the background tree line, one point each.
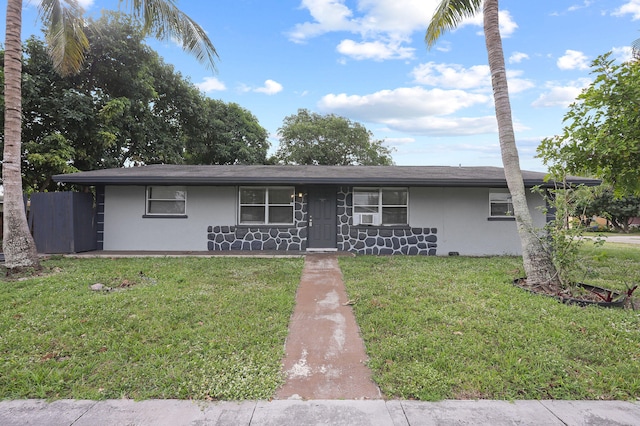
{"type": "Point", "coordinates": [125, 107]}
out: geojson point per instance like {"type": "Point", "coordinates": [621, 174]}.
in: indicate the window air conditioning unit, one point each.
{"type": "Point", "coordinates": [366, 219]}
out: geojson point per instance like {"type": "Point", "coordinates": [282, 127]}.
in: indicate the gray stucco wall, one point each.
{"type": "Point", "coordinates": [126, 229]}
{"type": "Point", "coordinates": [461, 216]}
{"type": "Point", "coordinates": [442, 220]}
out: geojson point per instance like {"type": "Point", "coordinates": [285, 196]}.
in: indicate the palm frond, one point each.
{"type": "Point", "coordinates": [163, 20]}
{"type": "Point", "coordinates": [448, 16]}
{"type": "Point", "coordinates": [65, 36]}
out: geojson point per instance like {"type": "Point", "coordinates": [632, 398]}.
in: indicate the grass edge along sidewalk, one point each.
{"type": "Point", "coordinates": [435, 328]}
{"type": "Point", "coordinates": [456, 328]}
{"type": "Point", "coordinates": [180, 328]}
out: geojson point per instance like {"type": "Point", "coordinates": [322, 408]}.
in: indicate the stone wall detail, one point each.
{"type": "Point", "coordinates": [379, 239]}
{"type": "Point", "coordinates": [375, 240]}
{"type": "Point", "coordinates": [262, 237]}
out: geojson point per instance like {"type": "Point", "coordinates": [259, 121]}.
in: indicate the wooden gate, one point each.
{"type": "Point", "coordinates": [62, 222]}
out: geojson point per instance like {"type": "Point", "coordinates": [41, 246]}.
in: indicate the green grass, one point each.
{"type": "Point", "coordinates": [456, 328]}
{"type": "Point", "coordinates": [434, 328]}
{"type": "Point", "coordinates": [184, 328]}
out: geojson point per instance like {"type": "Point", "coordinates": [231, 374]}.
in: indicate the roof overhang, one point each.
{"type": "Point", "coordinates": [426, 176]}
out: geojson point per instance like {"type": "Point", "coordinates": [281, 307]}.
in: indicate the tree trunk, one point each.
{"type": "Point", "coordinates": [18, 245]}
{"type": "Point", "coordinates": [538, 264]}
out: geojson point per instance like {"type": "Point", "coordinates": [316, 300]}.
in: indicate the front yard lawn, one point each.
{"type": "Point", "coordinates": [171, 328]}
{"type": "Point", "coordinates": [434, 327]}
{"type": "Point", "coordinates": [456, 328]}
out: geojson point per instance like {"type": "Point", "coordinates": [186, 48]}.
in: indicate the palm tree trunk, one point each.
{"type": "Point", "coordinates": [538, 264]}
{"type": "Point", "coordinates": [18, 245]}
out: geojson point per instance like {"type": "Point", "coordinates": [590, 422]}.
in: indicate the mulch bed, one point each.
{"type": "Point", "coordinates": [581, 294]}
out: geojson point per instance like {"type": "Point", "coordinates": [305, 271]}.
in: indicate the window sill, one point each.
{"type": "Point", "coordinates": [501, 218]}
{"type": "Point", "coordinates": [165, 216]}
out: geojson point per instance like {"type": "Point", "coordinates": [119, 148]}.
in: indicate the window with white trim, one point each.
{"type": "Point", "coordinates": [500, 204]}
{"type": "Point", "coordinates": [166, 201]}
{"type": "Point", "coordinates": [267, 205]}
{"type": "Point", "coordinates": [380, 206]}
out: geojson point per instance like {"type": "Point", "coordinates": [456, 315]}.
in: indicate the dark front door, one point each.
{"type": "Point", "coordinates": [322, 218]}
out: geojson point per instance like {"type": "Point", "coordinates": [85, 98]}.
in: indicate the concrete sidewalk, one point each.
{"type": "Point", "coordinates": [317, 412]}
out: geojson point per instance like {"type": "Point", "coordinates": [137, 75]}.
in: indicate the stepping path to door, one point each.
{"type": "Point", "coordinates": [325, 356]}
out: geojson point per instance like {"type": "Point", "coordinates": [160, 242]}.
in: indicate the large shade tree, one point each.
{"type": "Point", "coordinates": [63, 22]}
{"type": "Point", "coordinates": [537, 261]}
{"type": "Point", "coordinates": [601, 134]}
{"type": "Point", "coordinates": [330, 140]}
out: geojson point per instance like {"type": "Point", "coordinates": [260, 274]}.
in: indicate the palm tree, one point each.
{"type": "Point", "coordinates": [537, 261]}
{"type": "Point", "coordinates": [67, 46]}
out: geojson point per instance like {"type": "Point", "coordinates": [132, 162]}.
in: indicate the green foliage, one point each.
{"type": "Point", "coordinates": [618, 210]}
{"type": "Point", "coordinates": [564, 233]}
{"type": "Point", "coordinates": [456, 328]}
{"type": "Point", "coordinates": [125, 106]}
{"type": "Point", "coordinates": [311, 138]}
{"type": "Point", "coordinates": [601, 136]}
{"type": "Point", "coordinates": [228, 134]}
{"type": "Point", "coordinates": [52, 155]}
{"type": "Point", "coordinates": [185, 328]}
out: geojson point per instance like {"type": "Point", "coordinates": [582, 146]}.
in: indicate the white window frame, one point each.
{"type": "Point", "coordinates": [380, 206]}
{"type": "Point", "coordinates": [176, 199]}
{"type": "Point", "coordinates": [496, 197]}
{"type": "Point", "coordinates": [266, 205]}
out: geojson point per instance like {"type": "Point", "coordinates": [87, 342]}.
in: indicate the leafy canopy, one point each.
{"type": "Point", "coordinates": [331, 140]}
{"type": "Point", "coordinates": [601, 136]}
{"type": "Point", "coordinates": [125, 106]}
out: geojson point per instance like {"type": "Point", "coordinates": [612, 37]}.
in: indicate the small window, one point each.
{"type": "Point", "coordinates": [380, 206]}
{"type": "Point", "coordinates": [500, 204]}
{"type": "Point", "coordinates": [267, 206]}
{"type": "Point", "coordinates": [166, 201]}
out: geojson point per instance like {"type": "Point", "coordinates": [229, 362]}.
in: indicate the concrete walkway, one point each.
{"type": "Point", "coordinates": [325, 355]}
{"type": "Point", "coordinates": [319, 412]}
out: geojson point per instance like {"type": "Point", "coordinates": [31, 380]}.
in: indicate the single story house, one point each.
{"type": "Point", "coordinates": [415, 210]}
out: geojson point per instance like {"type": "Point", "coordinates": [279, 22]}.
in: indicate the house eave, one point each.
{"type": "Point", "coordinates": [415, 176]}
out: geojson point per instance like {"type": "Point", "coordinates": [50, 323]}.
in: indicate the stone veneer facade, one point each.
{"type": "Point", "coordinates": [262, 237]}
{"type": "Point", "coordinates": [355, 239]}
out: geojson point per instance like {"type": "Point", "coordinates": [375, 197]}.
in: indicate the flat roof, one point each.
{"type": "Point", "coordinates": [165, 174]}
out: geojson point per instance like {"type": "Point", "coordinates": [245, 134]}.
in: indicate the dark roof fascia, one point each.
{"type": "Point", "coordinates": [96, 178]}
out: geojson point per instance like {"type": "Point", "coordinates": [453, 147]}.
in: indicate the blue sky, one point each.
{"type": "Point", "coordinates": [366, 60]}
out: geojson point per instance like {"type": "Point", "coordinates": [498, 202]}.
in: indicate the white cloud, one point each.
{"type": "Point", "coordinates": [382, 25]}
{"type": "Point", "coordinates": [270, 88]}
{"type": "Point", "coordinates": [516, 84]}
{"type": "Point", "coordinates": [572, 60]}
{"type": "Point", "coordinates": [561, 96]}
{"type": "Point", "coordinates": [211, 84]}
{"type": "Point", "coordinates": [632, 7]}
{"type": "Point", "coordinates": [414, 109]}
{"type": "Point", "coordinates": [376, 50]}
{"type": "Point", "coordinates": [575, 7]}
{"type": "Point", "coordinates": [452, 76]}
{"type": "Point", "coordinates": [446, 126]}
{"type": "Point", "coordinates": [507, 25]}
{"type": "Point", "coordinates": [399, 141]}
{"type": "Point", "coordinates": [623, 54]}
{"type": "Point", "coordinates": [517, 57]}
{"type": "Point", "coordinates": [329, 15]}
{"type": "Point", "coordinates": [408, 102]}
{"type": "Point", "coordinates": [455, 76]}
